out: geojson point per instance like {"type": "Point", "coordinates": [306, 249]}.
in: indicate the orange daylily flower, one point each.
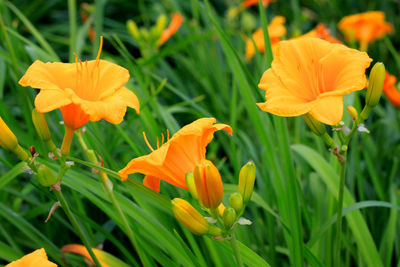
{"type": "Point", "coordinates": [276, 30]}
{"type": "Point", "coordinates": [310, 75]}
{"type": "Point", "coordinates": [84, 91]}
{"type": "Point", "coordinates": [34, 259]}
{"type": "Point", "coordinates": [173, 27]}
{"type": "Point", "coordinates": [390, 89]}
{"type": "Point", "coordinates": [322, 32]}
{"type": "Point", "coordinates": [178, 156]}
{"type": "Point", "coordinates": [105, 259]}
{"type": "Point", "coordinates": [365, 27]}
{"type": "Point", "coordinates": [249, 3]}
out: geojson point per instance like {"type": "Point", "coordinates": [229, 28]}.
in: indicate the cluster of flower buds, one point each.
{"type": "Point", "coordinates": [205, 186]}
{"type": "Point", "coordinates": [9, 141]}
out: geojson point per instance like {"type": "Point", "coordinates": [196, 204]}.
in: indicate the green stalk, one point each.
{"type": "Point", "coordinates": [72, 28]}
{"type": "Point", "coordinates": [236, 251]}
{"type": "Point", "coordinates": [267, 40]}
{"type": "Point", "coordinates": [336, 256]}
{"type": "Point", "coordinates": [108, 187]}
{"type": "Point", "coordinates": [75, 224]}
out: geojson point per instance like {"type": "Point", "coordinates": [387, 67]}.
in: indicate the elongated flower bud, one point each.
{"type": "Point", "coordinates": [7, 138]}
{"type": "Point", "coordinates": [236, 201]}
{"type": "Point", "coordinates": [191, 185]}
{"type": "Point", "coordinates": [375, 85]}
{"type": "Point", "coordinates": [208, 184]}
{"type": "Point", "coordinates": [46, 177]}
{"type": "Point", "coordinates": [229, 217]}
{"type": "Point", "coordinates": [247, 177]}
{"type": "Point", "coordinates": [315, 126]}
{"type": "Point", "coordinates": [160, 24]}
{"type": "Point", "coordinates": [133, 29]}
{"type": "Point", "coordinates": [189, 216]}
{"type": "Point", "coordinates": [39, 121]}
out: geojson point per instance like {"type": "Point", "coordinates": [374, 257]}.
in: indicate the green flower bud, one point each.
{"type": "Point", "coordinates": [214, 230]}
{"type": "Point", "coordinates": [236, 201]}
{"type": "Point", "coordinates": [247, 177]}
{"type": "Point", "coordinates": [46, 176]}
{"type": "Point", "coordinates": [39, 121]}
{"type": "Point", "coordinates": [229, 217]}
{"type": "Point", "coordinates": [191, 185]}
{"type": "Point", "coordinates": [160, 24]}
{"type": "Point", "coordinates": [375, 85]}
{"type": "Point", "coordinates": [315, 126]}
{"type": "Point", "coordinates": [133, 29]}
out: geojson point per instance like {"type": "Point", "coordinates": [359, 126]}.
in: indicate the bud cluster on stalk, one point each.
{"type": "Point", "coordinates": [206, 188]}
{"type": "Point", "coordinates": [344, 133]}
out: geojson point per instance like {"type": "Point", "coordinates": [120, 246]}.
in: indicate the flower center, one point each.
{"type": "Point", "coordinates": [88, 76]}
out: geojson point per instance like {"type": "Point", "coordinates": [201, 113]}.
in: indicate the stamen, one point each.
{"type": "Point", "coordinates": [100, 48]}
{"type": "Point", "coordinates": [147, 142]}
{"type": "Point", "coordinates": [158, 143]}
{"type": "Point", "coordinates": [162, 138]}
{"type": "Point", "coordinates": [167, 135]}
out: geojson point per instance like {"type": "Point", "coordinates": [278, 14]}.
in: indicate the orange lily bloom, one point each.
{"type": "Point", "coordinates": [173, 27]}
{"type": "Point", "coordinates": [310, 75]}
{"type": "Point", "coordinates": [322, 32]}
{"type": "Point", "coordinates": [84, 91]}
{"type": "Point", "coordinates": [249, 3]}
{"type": "Point", "coordinates": [36, 258]}
{"type": "Point", "coordinates": [365, 27]}
{"type": "Point", "coordinates": [390, 90]}
{"type": "Point", "coordinates": [276, 30]}
{"type": "Point", "coordinates": [178, 156]}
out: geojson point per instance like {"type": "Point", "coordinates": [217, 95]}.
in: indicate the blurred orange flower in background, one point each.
{"type": "Point", "coordinates": [173, 27]}
{"type": "Point", "coordinates": [276, 30]}
{"type": "Point", "coordinates": [34, 259]}
{"type": "Point", "coordinates": [90, 90]}
{"type": "Point", "coordinates": [390, 89]}
{"type": "Point", "coordinates": [310, 75]}
{"type": "Point", "coordinates": [322, 32]}
{"type": "Point", "coordinates": [249, 3]}
{"type": "Point", "coordinates": [178, 156]}
{"type": "Point", "coordinates": [365, 27]}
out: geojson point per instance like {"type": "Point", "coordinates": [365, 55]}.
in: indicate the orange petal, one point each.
{"type": "Point", "coordinates": [173, 27]}
{"type": "Point", "coordinates": [152, 182]}
{"type": "Point", "coordinates": [48, 100]}
{"type": "Point", "coordinates": [49, 75]}
{"type": "Point", "coordinates": [328, 110]}
{"type": "Point", "coordinates": [36, 258]}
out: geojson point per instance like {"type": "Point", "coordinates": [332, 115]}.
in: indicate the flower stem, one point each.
{"type": "Point", "coordinates": [75, 224]}
{"type": "Point", "coordinates": [336, 256]}
{"type": "Point", "coordinates": [66, 144]}
{"type": "Point", "coordinates": [236, 251]}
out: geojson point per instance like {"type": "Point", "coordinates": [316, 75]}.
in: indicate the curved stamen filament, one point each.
{"type": "Point", "coordinates": [147, 142]}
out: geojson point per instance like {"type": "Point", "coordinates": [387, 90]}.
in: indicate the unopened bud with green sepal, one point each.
{"type": "Point", "coordinates": [46, 177]}
{"type": "Point", "coordinates": [229, 217]}
{"type": "Point", "coordinates": [191, 185]}
{"type": "Point", "coordinates": [236, 201]}
{"type": "Point", "coordinates": [247, 177]}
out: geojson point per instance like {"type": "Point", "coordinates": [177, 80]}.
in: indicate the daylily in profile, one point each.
{"type": "Point", "coordinates": [365, 27]}
{"type": "Point", "coordinates": [322, 32]}
{"type": "Point", "coordinates": [276, 31]}
{"type": "Point", "coordinates": [177, 157]}
{"type": "Point", "coordinates": [310, 75]}
{"type": "Point", "coordinates": [83, 91]}
{"type": "Point", "coordinates": [390, 89]}
{"type": "Point", "coordinates": [173, 27]}
{"type": "Point", "coordinates": [34, 259]}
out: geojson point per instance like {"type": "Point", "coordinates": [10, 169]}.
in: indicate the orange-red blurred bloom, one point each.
{"type": "Point", "coordinates": [310, 75]}
{"type": "Point", "coordinates": [34, 259]}
{"type": "Point", "coordinates": [322, 32]}
{"type": "Point", "coordinates": [173, 27]}
{"type": "Point", "coordinates": [365, 27]}
{"type": "Point", "coordinates": [90, 90]}
{"type": "Point", "coordinates": [249, 3]}
{"type": "Point", "coordinates": [81, 250]}
{"type": "Point", "coordinates": [276, 30]}
{"type": "Point", "coordinates": [178, 156]}
{"type": "Point", "coordinates": [390, 90]}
